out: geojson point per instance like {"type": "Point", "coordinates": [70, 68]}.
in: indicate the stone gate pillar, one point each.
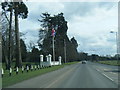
{"type": "Point", "coordinates": [49, 59]}
{"type": "Point", "coordinates": [41, 60]}
{"type": "Point", "coordinates": [59, 58]}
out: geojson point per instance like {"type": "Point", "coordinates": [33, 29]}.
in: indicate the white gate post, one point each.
{"type": "Point", "coordinates": [41, 60]}
{"type": "Point", "coordinates": [49, 59]}
{"type": "Point", "coordinates": [2, 72]}
{"type": "Point", "coordinates": [10, 71]}
{"type": "Point", "coordinates": [22, 69]}
{"type": "Point", "coordinates": [17, 70]}
{"type": "Point", "coordinates": [59, 60]}
{"type": "Point", "coordinates": [47, 62]}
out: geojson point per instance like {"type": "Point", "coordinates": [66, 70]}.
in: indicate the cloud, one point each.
{"type": "Point", "coordinates": [37, 8]}
{"type": "Point", "coordinates": [98, 45]}
{"type": "Point", "coordinates": [77, 8]}
{"type": "Point", "coordinates": [93, 31]}
{"type": "Point", "coordinates": [89, 22]}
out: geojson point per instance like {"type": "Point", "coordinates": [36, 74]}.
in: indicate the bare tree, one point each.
{"type": "Point", "coordinates": [7, 7]}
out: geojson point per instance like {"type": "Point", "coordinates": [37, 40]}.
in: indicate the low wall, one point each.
{"type": "Point", "coordinates": [49, 62]}
{"type": "Point", "coordinates": [52, 63]}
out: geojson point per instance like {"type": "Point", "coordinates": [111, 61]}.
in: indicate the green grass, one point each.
{"type": "Point", "coordinates": [69, 63]}
{"type": "Point", "coordinates": [10, 80]}
{"type": "Point", "coordinates": [111, 62]}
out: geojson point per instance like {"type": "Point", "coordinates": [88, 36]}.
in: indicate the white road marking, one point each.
{"type": "Point", "coordinates": [105, 75]}
{"type": "Point", "coordinates": [108, 77]}
{"type": "Point", "coordinates": [114, 73]}
{"type": "Point", "coordinates": [105, 69]}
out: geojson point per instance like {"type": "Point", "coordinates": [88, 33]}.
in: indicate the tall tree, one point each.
{"type": "Point", "coordinates": [21, 10]}
{"type": "Point", "coordinates": [74, 42]}
{"type": "Point", "coordinates": [83, 56]}
{"type": "Point", "coordinates": [59, 23]}
{"type": "Point", "coordinates": [23, 50]}
{"type": "Point", "coordinates": [4, 29]}
{"type": "Point", "coordinates": [8, 7]}
{"type": "Point", "coordinates": [35, 55]}
{"type": "Point", "coordinates": [42, 34]}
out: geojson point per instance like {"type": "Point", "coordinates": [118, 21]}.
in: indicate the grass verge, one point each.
{"type": "Point", "coordinates": [10, 80]}
{"type": "Point", "coordinates": [69, 63]}
{"type": "Point", "coordinates": [111, 62]}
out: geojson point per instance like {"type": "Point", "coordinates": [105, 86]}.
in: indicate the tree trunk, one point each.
{"type": "Point", "coordinates": [17, 37]}
{"type": "Point", "coordinates": [4, 52]}
{"type": "Point", "coordinates": [0, 48]}
{"type": "Point", "coordinates": [10, 28]}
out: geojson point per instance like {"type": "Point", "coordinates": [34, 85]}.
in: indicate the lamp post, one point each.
{"type": "Point", "coordinates": [116, 41]}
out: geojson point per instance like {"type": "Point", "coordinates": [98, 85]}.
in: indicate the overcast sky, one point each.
{"type": "Point", "coordinates": [89, 22]}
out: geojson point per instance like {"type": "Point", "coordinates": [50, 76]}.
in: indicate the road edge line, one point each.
{"type": "Point", "coordinates": [108, 77]}
{"type": "Point", "coordinates": [105, 75]}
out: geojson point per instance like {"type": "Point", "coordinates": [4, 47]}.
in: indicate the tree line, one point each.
{"type": "Point", "coordinates": [95, 57]}
{"type": "Point", "coordinates": [11, 12]}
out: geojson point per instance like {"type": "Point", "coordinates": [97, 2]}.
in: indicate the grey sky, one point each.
{"type": "Point", "coordinates": [89, 22]}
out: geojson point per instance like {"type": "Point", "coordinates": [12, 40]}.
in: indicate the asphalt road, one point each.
{"type": "Point", "coordinates": [90, 75]}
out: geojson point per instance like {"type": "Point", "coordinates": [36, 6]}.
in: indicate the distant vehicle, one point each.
{"type": "Point", "coordinates": [83, 62]}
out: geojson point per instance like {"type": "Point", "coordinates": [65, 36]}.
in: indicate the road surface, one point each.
{"type": "Point", "coordinates": [90, 75]}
